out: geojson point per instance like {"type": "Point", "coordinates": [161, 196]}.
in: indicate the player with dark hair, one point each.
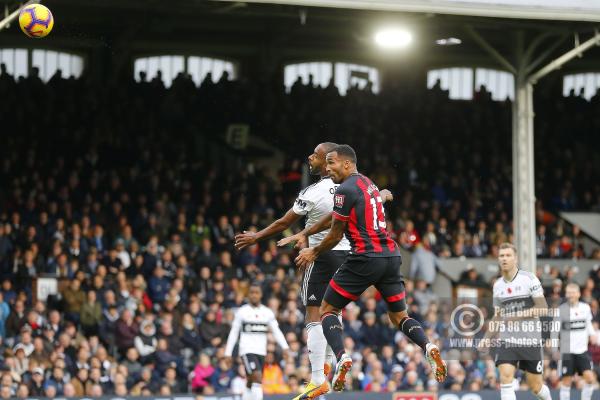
{"type": "Point", "coordinates": [374, 260]}
{"type": "Point", "coordinates": [313, 202]}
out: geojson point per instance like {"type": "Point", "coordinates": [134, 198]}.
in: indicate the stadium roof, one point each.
{"type": "Point", "coordinates": [292, 32]}
{"type": "Point", "coordinates": [570, 10]}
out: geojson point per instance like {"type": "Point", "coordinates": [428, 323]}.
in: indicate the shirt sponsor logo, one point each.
{"type": "Point", "coordinates": [255, 328]}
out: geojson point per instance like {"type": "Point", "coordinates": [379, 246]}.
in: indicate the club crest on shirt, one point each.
{"type": "Point", "coordinates": [338, 200]}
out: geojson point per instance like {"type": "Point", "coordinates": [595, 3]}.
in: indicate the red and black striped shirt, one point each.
{"type": "Point", "coordinates": [357, 201]}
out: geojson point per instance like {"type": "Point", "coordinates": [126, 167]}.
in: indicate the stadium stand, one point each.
{"type": "Point", "coordinates": [138, 227]}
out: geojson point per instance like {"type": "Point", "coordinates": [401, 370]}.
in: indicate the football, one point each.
{"type": "Point", "coordinates": [36, 20]}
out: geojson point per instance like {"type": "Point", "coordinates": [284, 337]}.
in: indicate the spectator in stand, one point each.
{"type": "Point", "coordinates": [145, 342]}
{"type": "Point", "coordinates": [158, 286]}
{"type": "Point", "coordinates": [222, 378]}
{"type": "Point", "coordinates": [4, 313]}
{"type": "Point", "coordinates": [541, 241]}
{"type": "Point", "coordinates": [110, 213]}
{"type": "Point", "coordinates": [126, 330]}
{"type": "Point", "coordinates": [91, 315]}
{"type": "Point", "coordinates": [201, 375]}
{"type": "Point", "coordinates": [36, 386]}
{"type": "Point", "coordinates": [190, 337]}
{"type": "Point", "coordinates": [409, 235]}
{"type": "Point", "coordinates": [424, 263]}
{"type": "Point", "coordinates": [273, 382]}
{"type": "Point", "coordinates": [74, 300]}
{"type": "Point", "coordinates": [470, 277]}
{"type": "Point", "coordinates": [15, 320]}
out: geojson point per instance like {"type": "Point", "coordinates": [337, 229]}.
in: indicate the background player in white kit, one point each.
{"type": "Point", "coordinates": [314, 202]}
{"type": "Point", "coordinates": [575, 332]}
{"type": "Point", "coordinates": [251, 324]}
{"type": "Point", "coordinates": [517, 291]}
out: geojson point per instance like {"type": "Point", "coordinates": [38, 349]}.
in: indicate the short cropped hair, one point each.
{"type": "Point", "coordinates": [573, 285]}
{"type": "Point", "coordinates": [345, 151]}
{"type": "Point", "coordinates": [328, 146]}
{"type": "Point", "coordinates": [507, 245]}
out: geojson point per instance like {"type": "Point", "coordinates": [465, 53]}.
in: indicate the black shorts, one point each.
{"type": "Point", "coordinates": [253, 363]}
{"type": "Point", "coordinates": [360, 272]}
{"type": "Point", "coordinates": [571, 364]}
{"type": "Point", "coordinates": [318, 274]}
{"type": "Point", "coordinates": [529, 359]}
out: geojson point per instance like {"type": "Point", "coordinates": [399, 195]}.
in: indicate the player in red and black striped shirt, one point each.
{"type": "Point", "coordinates": [374, 260]}
{"type": "Point", "coordinates": [358, 203]}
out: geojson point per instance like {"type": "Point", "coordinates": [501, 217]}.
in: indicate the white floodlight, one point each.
{"type": "Point", "coordinates": [448, 42]}
{"type": "Point", "coordinates": [393, 38]}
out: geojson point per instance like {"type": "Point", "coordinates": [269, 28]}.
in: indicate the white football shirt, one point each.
{"type": "Point", "coordinates": [576, 328]}
{"type": "Point", "coordinates": [315, 202]}
{"type": "Point", "coordinates": [516, 296]}
{"type": "Point", "coordinates": [251, 325]}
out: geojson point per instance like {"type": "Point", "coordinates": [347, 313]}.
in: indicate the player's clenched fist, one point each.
{"type": "Point", "coordinates": [245, 239]}
{"type": "Point", "coordinates": [386, 195]}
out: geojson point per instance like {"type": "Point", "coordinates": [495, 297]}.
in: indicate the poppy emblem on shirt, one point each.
{"type": "Point", "coordinates": [509, 290]}
{"type": "Point", "coordinates": [338, 200]}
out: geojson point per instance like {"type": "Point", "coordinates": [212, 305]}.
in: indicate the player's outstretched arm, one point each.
{"type": "Point", "coordinates": [300, 237]}
{"type": "Point", "coordinates": [323, 224]}
{"type": "Point", "coordinates": [245, 239]}
{"type": "Point", "coordinates": [308, 255]}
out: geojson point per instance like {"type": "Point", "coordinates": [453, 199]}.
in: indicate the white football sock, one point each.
{"type": "Point", "coordinates": [507, 392]}
{"type": "Point", "coordinates": [586, 391]}
{"type": "Point", "coordinates": [544, 393]}
{"type": "Point", "coordinates": [257, 392]}
{"type": "Point", "coordinates": [247, 395]}
{"type": "Point", "coordinates": [565, 392]}
{"type": "Point", "coordinates": [317, 344]}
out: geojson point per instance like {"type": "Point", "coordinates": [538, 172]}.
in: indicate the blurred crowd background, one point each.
{"type": "Point", "coordinates": [110, 189]}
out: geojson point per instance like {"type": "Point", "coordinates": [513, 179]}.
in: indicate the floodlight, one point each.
{"type": "Point", "coordinates": [393, 38]}
{"type": "Point", "coordinates": [448, 42]}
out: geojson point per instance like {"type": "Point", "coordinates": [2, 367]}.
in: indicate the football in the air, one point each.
{"type": "Point", "coordinates": [36, 20]}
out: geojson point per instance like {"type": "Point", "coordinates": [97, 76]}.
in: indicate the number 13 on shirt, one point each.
{"type": "Point", "coordinates": [377, 204]}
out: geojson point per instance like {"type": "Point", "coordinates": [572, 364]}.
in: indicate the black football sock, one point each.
{"type": "Point", "coordinates": [414, 331]}
{"type": "Point", "coordinates": [334, 333]}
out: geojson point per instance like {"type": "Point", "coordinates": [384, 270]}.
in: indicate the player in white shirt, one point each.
{"type": "Point", "coordinates": [314, 202]}
{"type": "Point", "coordinates": [575, 334]}
{"type": "Point", "coordinates": [251, 325]}
{"type": "Point", "coordinates": [518, 303]}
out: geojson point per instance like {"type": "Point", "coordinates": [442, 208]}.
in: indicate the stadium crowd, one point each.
{"type": "Point", "coordinates": [110, 190]}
